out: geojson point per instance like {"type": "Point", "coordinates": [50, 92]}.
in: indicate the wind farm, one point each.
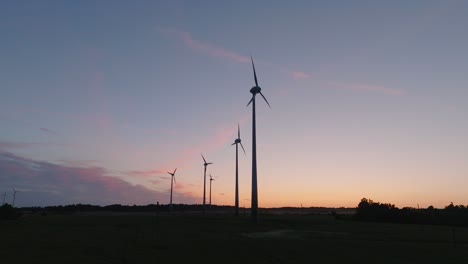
{"type": "Point", "coordinates": [360, 157]}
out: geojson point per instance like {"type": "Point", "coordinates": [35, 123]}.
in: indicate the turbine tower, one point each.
{"type": "Point", "coordinates": [172, 182]}
{"type": "Point", "coordinates": [236, 142]}
{"type": "Point", "coordinates": [211, 179]}
{"type": "Point", "coordinates": [204, 182]}
{"type": "Point", "coordinates": [255, 90]}
{"type": "Point", "coordinates": [14, 196]}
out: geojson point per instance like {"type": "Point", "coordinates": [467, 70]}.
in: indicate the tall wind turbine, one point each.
{"type": "Point", "coordinates": [14, 196]}
{"type": "Point", "coordinates": [255, 90]}
{"type": "Point", "coordinates": [236, 142]}
{"type": "Point", "coordinates": [172, 182]}
{"type": "Point", "coordinates": [204, 181]}
{"type": "Point", "coordinates": [211, 179]}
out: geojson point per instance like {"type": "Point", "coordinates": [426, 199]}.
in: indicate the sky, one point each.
{"type": "Point", "coordinates": [99, 99]}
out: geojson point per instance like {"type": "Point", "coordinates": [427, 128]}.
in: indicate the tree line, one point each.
{"type": "Point", "coordinates": [454, 215]}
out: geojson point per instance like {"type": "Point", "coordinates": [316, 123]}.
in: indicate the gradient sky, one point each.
{"type": "Point", "coordinates": [100, 98]}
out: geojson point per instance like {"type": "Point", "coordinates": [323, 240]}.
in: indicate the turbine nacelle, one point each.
{"type": "Point", "coordinates": [237, 141]}
{"type": "Point", "coordinates": [255, 90]}
{"type": "Point", "coordinates": [206, 163]}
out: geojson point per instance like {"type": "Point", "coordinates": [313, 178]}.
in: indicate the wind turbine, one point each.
{"type": "Point", "coordinates": [255, 90]}
{"type": "Point", "coordinates": [204, 182]}
{"type": "Point", "coordinates": [211, 179]}
{"type": "Point", "coordinates": [172, 181]}
{"type": "Point", "coordinates": [236, 142]}
{"type": "Point", "coordinates": [14, 196]}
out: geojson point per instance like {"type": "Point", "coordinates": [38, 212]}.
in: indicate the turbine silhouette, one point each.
{"type": "Point", "coordinates": [211, 179]}
{"type": "Point", "coordinates": [14, 197]}
{"type": "Point", "coordinates": [204, 182]}
{"type": "Point", "coordinates": [236, 142]}
{"type": "Point", "coordinates": [172, 181]}
{"type": "Point", "coordinates": [255, 90]}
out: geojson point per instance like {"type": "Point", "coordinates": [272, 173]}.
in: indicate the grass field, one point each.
{"type": "Point", "coordinates": [179, 238]}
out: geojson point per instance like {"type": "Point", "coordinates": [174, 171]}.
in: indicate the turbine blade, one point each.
{"type": "Point", "coordinates": [238, 130]}
{"type": "Point", "coordinates": [175, 170]}
{"type": "Point", "coordinates": [251, 100]}
{"type": "Point", "coordinates": [174, 178]}
{"type": "Point", "coordinates": [265, 99]}
{"type": "Point", "coordinates": [243, 148]}
{"type": "Point", "coordinates": [255, 74]}
{"type": "Point", "coordinates": [203, 158]}
{"type": "Point", "coordinates": [210, 163]}
{"type": "Point", "coordinates": [233, 143]}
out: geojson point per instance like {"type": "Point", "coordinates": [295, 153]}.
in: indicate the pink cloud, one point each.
{"type": "Point", "coordinates": [299, 75]}
{"type": "Point", "coordinates": [367, 88]}
{"type": "Point", "coordinates": [179, 186]}
{"type": "Point", "coordinates": [77, 163]}
{"type": "Point", "coordinates": [215, 51]}
{"type": "Point", "coordinates": [205, 48]}
{"type": "Point", "coordinates": [224, 135]}
{"type": "Point", "coordinates": [146, 173]}
{"type": "Point", "coordinates": [155, 182]}
{"type": "Point", "coordinates": [54, 184]}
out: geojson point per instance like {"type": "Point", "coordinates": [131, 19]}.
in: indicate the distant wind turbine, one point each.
{"type": "Point", "coordinates": [204, 182]}
{"type": "Point", "coordinates": [14, 196]}
{"type": "Point", "coordinates": [173, 180]}
{"type": "Point", "coordinates": [211, 179]}
{"type": "Point", "coordinates": [236, 142]}
{"type": "Point", "coordinates": [255, 90]}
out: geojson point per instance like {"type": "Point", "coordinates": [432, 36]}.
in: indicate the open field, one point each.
{"type": "Point", "coordinates": [220, 238]}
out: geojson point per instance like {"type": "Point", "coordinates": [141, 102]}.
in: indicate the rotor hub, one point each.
{"type": "Point", "coordinates": [255, 90]}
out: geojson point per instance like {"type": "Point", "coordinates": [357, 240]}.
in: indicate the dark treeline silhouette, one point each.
{"type": "Point", "coordinates": [454, 215]}
{"type": "Point", "coordinates": [74, 208]}
{"type": "Point", "coordinates": [7, 212]}
{"type": "Point", "coordinates": [120, 208]}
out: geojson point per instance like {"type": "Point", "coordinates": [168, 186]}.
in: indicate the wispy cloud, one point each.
{"type": "Point", "coordinates": [53, 184]}
{"type": "Point", "coordinates": [77, 163]}
{"type": "Point", "coordinates": [146, 173]}
{"type": "Point", "coordinates": [220, 52]}
{"type": "Point", "coordinates": [216, 51]}
{"type": "Point", "coordinates": [366, 88]}
{"type": "Point", "coordinates": [48, 131]}
{"type": "Point", "coordinates": [208, 49]}
{"type": "Point", "coordinates": [224, 135]}
{"type": "Point", "coordinates": [299, 75]}
{"type": "Point", "coordinates": [17, 145]}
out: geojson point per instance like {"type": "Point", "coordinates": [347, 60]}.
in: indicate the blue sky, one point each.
{"type": "Point", "coordinates": [368, 100]}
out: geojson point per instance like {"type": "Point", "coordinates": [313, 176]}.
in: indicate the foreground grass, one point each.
{"type": "Point", "coordinates": [144, 238]}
